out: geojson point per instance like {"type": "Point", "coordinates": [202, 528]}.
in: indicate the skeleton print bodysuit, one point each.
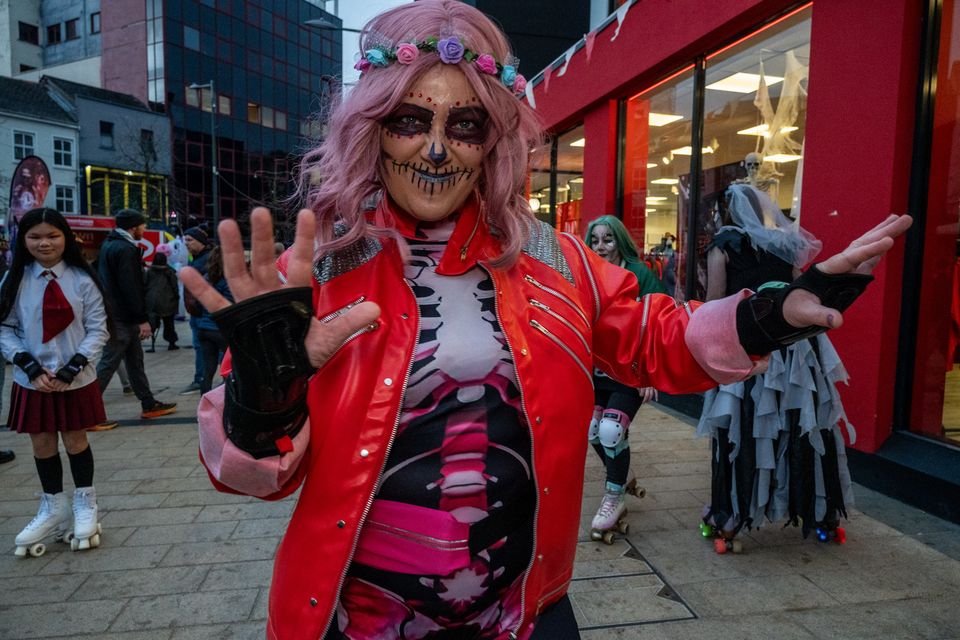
{"type": "Point", "coordinates": [461, 462]}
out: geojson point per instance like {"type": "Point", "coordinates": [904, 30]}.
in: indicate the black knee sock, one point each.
{"type": "Point", "coordinates": [81, 466]}
{"type": "Point", "coordinates": [51, 473]}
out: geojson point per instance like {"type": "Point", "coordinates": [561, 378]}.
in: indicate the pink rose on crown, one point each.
{"type": "Point", "coordinates": [407, 53]}
{"type": "Point", "coordinates": [519, 84]}
{"type": "Point", "coordinates": [362, 65]}
{"type": "Point", "coordinates": [487, 64]}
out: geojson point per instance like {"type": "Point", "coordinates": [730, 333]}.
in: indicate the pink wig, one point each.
{"type": "Point", "coordinates": [344, 172]}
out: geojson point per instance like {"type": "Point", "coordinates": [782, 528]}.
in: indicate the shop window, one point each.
{"type": "Point", "coordinates": [95, 22]}
{"type": "Point", "coordinates": [755, 107]}
{"type": "Point", "coordinates": [569, 183]}
{"type": "Point", "coordinates": [73, 29]}
{"type": "Point", "coordinates": [63, 152]}
{"type": "Point", "coordinates": [54, 34]}
{"type": "Point", "coordinates": [66, 199]}
{"type": "Point", "coordinates": [935, 397]}
{"type": "Point", "coordinates": [22, 145]}
{"type": "Point", "coordinates": [29, 33]}
{"type": "Point", "coordinates": [539, 192]}
{"type": "Point", "coordinates": [656, 174]}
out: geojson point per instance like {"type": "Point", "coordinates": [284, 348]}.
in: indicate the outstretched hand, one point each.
{"type": "Point", "coordinates": [263, 277]}
{"type": "Point", "coordinates": [802, 308]}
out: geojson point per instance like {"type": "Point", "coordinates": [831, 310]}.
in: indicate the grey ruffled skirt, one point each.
{"type": "Point", "coordinates": [778, 448]}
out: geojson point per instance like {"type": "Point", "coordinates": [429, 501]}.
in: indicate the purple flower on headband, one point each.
{"type": "Point", "coordinates": [508, 75]}
{"type": "Point", "coordinates": [519, 84]}
{"type": "Point", "coordinates": [376, 57]}
{"type": "Point", "coordinates": [407, 53]}
{"type": "Point", "coordinates": [487, 64]}
{"type": "Point", "coordinates": [450, 50]}
{"type": "Point", "coordinates": [362, 65]}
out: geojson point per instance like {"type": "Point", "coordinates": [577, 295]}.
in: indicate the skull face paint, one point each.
{"type": "Point", "coordinates": [432, 145]}
{"type": "Point", "coordinates": [604, 244]}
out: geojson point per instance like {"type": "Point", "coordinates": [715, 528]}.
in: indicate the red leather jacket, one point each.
{"type": "Point", "coordinates": [561, 308]}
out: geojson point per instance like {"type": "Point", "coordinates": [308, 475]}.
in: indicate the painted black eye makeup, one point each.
{"type": "Point", "coordinates": [409, 120]}
{"type": "Point", "coordinates": [467, 124]}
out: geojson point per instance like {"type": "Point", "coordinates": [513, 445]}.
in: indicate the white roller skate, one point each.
{"type": "Point", "coordinates": [53, 517]}
{"type": "Point", "coordinates": [610, 518]}
{"type": "Point", "coordinates": [86, 526]}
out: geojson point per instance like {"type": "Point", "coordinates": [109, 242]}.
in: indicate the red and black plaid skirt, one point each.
{"type": "Point", "coordinates": [32, 411]}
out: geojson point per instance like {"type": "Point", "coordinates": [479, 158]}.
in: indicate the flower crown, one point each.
{"type": "Point", "coordinates": [451, 51]}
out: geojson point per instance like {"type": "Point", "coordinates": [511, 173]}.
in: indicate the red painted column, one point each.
{"type": "Point", "coordinates": [860, 120]}
{"type": "Point", "coordinates": [599, 161]}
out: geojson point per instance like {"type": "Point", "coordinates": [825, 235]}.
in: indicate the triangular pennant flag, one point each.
{"type": "Point", "coordinates": [547, 73]}
{"type": "Point", "coordinates": [621, 15]}
{"type": "Point", "coordinates": [589, 39]}
{"type": "Point", "coordinates": [528, 91]}
{"type": "Point", "coordinates": [566, 62]}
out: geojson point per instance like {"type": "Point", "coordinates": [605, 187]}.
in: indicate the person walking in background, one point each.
{"type": "Point", "coordinates": [198, 244]}
{"type": "Point", "coordinates": [616, 404]}
{"type": "Point", "coordinates": [54, 327]}
{"type": "Point", "coordinates": [5, 455]}
{"type": "Point", "coordinates": [121, 273]}
{"type": "Point", "coordinates": [163, 298]}
{"type": "Point", "coordinates": [212, 342]}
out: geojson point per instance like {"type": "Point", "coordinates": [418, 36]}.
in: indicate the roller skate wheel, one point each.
{"type": "Point", "coordinates": [720, 546]}
{"type": "Point", "coordinates": [68, 537]}
{"type": "Point", "coordinates": [623, 527]}
{"type": "Point", "coordinates": [841, 535]}
{"type": "Point", "coordinates": [737, 547]}
{"type": "Point", "coordinates": [95, 540]}
{"type": "Point", "coordinates": [99, 528]}
{"type": "Point", "coordinates": [84, 544]}
{"type": "Point", "coordinates": [706, 530]}
{"type": "Point", "coordinates": [596, 536]}
{"type": "Point", "coordinates": [37, 550]}
{"type": "Point", "coordinates": [641, 492]}
{"type": "Point", "coordinates": [74, 544]}
{"type": "Point", "coordinates": [608, 537]}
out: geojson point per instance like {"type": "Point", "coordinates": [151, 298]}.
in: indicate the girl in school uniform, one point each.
{"type": "Point", "coordinates": [54, 326]}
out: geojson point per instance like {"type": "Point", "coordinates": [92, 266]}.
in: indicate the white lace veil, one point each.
{"type": "Point", "coordinates": [753, 213]}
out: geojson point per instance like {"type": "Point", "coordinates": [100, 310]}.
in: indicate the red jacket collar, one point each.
{"type": "Point", "coordinates": [467, 245]}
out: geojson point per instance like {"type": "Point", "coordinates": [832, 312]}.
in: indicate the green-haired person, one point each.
{"type": "Point", "coordinates": [616, 404]}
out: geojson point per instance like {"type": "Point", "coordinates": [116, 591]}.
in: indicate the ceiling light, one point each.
{"type": "Point", "coordinates": [651, 199]}
{"type": "Point", "coordinates": [651, 165]}
{"type": "Point", "coordinates": [782, 157]}
{"type": "Point", "coordinates": [660, 119]}
{"type": "Point", "coordinates": [534, 204]}
{"type": "Point", "coordinates": [575, 181]}
{"type": "Point", "coordinates": [743, 83]}
{"type": "Point", "coordinates": [761, 130]}
{"type": "Point", "coordinates": [686, 151]}
{"type": "Point", "coordinates": [665, 160]}
{"type": "Point", "coordinates": [664, 181]}
{"type": "Point", "coordinates": [582, 142]}
{"type": "Point", "coordinates": [562, 188]}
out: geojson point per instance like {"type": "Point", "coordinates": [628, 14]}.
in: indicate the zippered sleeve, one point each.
{"type": "Point", "coordinates": [657, 341]}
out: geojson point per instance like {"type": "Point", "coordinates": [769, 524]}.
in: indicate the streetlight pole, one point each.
{"type": "Point", "coordinates": [213, 144]}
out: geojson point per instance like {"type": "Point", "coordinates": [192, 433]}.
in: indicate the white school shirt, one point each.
{"type": "Point", "coordinates": [22, 329]}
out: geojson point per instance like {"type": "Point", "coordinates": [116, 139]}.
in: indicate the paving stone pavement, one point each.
{"type": "Point", "coordinates": [180, 561]}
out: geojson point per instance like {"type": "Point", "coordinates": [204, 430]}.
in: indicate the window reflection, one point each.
{"type": "Point", "coordinates": [569, 195]}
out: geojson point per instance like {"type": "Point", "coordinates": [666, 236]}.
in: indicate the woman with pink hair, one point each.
{"type": "Point", "coordinates": [418, 362]}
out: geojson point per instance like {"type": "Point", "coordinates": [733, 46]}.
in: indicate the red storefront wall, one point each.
{"type": "Point", "coordinates": [860, 117]}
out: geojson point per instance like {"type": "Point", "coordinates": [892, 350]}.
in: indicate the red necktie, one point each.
{"type": "Point", "coordinates": [57, 312]}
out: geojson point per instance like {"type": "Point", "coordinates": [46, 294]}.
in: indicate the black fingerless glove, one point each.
{"type": "Point", "coordinates": [760, 322]}
{"type": "Point", "coordinates": [70, 370]}
{"type": "Point", "coordinates": [266, 390]}
{"type": "Point", "coordinates": [29, 364]}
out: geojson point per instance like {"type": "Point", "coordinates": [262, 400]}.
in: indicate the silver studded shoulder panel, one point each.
{"type": "Point", "coordinates": [347, 259]}
{"type": "Point", "coordinates": [544, 247]}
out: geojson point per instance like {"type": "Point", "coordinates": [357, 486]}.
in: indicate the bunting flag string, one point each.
{"type": "Point", "coordinates": [547, 72]}
{"type": "Point", "coordinates": [567, 56]}
{"type": "Point", "coordinates": [621, 15]}
{"type": "Point", "coordinates": [589, 39]}
{"type": "Point", "coordinates": [528, 91]}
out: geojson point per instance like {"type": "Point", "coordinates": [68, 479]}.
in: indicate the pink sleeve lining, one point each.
{"type": "Point", "coordinates": [236, 468]}
{"type": "Point", "coordinates": [712, 338]}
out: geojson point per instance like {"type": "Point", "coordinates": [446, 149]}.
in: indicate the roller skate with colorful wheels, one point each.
{"type": "Point", "coordinates": [610, 518]}
{"type": "Point", "coordinates": [723, 544]}
{"type": "Point", "coordinates": [632, 487]}
{"type": "Point", "coordinates": [831, 532]}
{"type": "Point", "coordinates": [86, 525]}
{"type": "Point", "coordinates": [52, 519]}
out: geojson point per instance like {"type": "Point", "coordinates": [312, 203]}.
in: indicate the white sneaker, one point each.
{"type": "Point", "coordinates": [53, 517]}
{"type": "Point", "coordinates": [85, 522]}
{"type": "Point", "coordinates": [612, 508]}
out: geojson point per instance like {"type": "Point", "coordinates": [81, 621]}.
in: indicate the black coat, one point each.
{"type": "Point", "coordinates": [121, 273]}
{"type": "Point", "coordinates": [163, 294]}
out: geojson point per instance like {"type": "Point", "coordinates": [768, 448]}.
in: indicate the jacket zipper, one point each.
{"type": "Point", "coordinates": [593, 282]}
{"type": "Point", "coordinates": [557, 294]}
{"type": "Point", "coordinates": [383, 465]}
{"type": "Point", "coordinates": [539, 305]}
{"type": "Point", "coordinates": [533, 466]}
{"type": "Point", "coordinates": [342, 310]}
{"type": "Point", "coordinates": [560, 343]}
{"type": "Point", "coordinates": [466, 245]}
